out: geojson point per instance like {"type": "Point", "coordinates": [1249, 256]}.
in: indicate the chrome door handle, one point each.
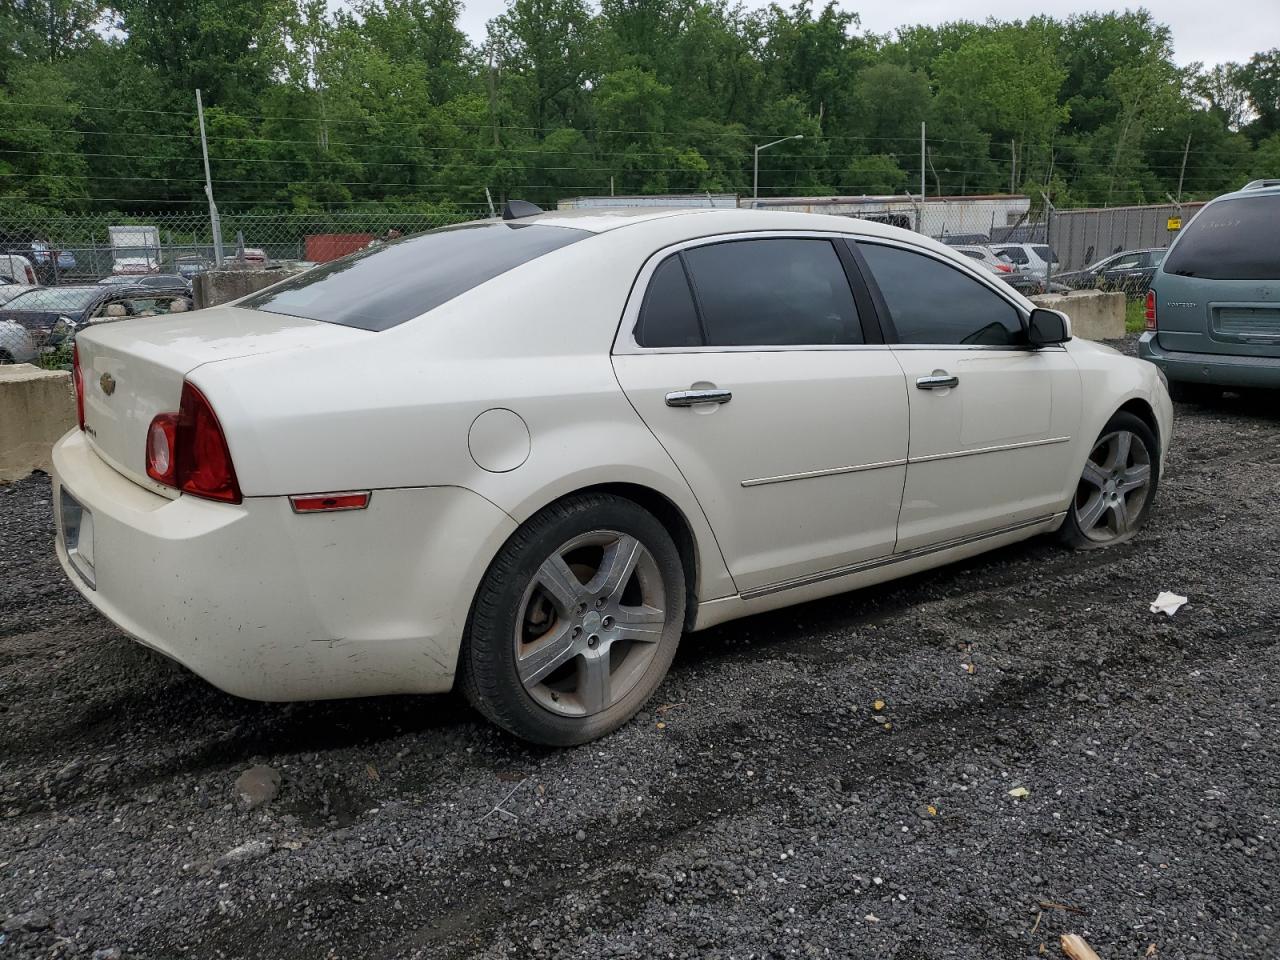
{"type": "Point", "coordinates": [687, 398]}
{"type": "Point", "coordinates": [938, 381]}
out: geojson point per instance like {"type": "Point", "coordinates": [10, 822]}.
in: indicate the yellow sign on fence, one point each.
{"type": "Point", "coordinates": [1175, 223]}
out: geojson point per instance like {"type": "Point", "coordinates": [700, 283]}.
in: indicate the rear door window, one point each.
{"type": "Point", "coordinates": [393, 282]}
{"type": "Point", "coordinates": [1232, 239]}
{"type": "Point", "coordinates": [784, 291]}
{"type": "Point", "coordinates": [669, 317]}
{"type": "Point", "coordinates": [931, 302]}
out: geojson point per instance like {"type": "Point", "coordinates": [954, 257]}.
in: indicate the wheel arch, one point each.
{"type": "Point", "coordinates": [1141, 409]}
{"type": "Point", "coordinates": [672, 518]}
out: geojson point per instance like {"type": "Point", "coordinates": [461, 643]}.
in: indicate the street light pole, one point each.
{"type": "Point", "coordinates": [755, 170]}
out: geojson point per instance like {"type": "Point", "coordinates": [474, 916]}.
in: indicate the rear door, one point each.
{"type": "Point", "coordinates": [764, 376]}
{"type": "Point", "coordinates": [990, 417]}
{"type": "Point", "coordinates": [1218, 288]}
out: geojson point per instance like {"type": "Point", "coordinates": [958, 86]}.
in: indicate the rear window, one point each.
{"type": "Point", "coordinates": [388, 284]}
{"type": "Point", "coordinates": [1230, 240]}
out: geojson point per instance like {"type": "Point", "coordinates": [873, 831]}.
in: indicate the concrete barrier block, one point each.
{"type": "Point", "coordinates": [1095, 315]}
{"type": "Point", "coordinates": [222, 286]}
{"type": "Point", "coordinates": [36, 408]}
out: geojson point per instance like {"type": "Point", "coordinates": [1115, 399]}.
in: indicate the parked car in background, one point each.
{"type": "Point", "coordinates": [10, 291]}
{"type": "Point", "coordinates": [189, 267]}
{"type": "Point", "coordinates": [986, 256]}
{"type": "Point", "coordinates": [54, 263]}
{"type": "Point", "coordinates": [1128, 272]}
{"type": "Point", "coordinates": [18, 269]}
{"type": "Point", "coordinates": [566, 439]}
{"type": "Point", "coordinates": [1027, 257]}
{"type": "Point", "coordinates": [1031, 284]}
{"type": "Point", "coordinates": [172, 282]}
{"type": "Point", "coordinates": [1213, 310]}
{"type": "Point", "coordinates": [53, 314]}
{"type": "Point", "coordinates": [16, 344]}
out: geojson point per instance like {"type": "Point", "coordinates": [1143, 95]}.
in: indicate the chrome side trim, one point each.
{"type": "Point", "coordinates": [862, 566]}
{"type": "Point", "coordinates": [996, 449]}
{"type": "Point", "coordinates": [830, 471]}
{"type": "Point", "coordinates": [883, 464]}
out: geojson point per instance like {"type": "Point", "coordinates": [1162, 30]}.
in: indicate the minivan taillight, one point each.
{"type": "Point", "coordinates": [188, 450]}
{"type": "Point", "coordinates": [1151, 310]}
{"type": "Point", "coordinates": [77, 378]}
{"type": "Point", "coordinates": [31, 275]}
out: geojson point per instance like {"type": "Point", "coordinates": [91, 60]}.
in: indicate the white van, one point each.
{"type": "Point", "coordinates": [17, 268]}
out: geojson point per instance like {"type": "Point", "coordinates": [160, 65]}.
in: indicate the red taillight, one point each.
{"type": "Point", "coordinates": [188, 450]}
{"type": "Point", "coordinates": [1151, 310]}
{"type": "Point", "coordinates": [31, 276]}
{"type": "Point", "coordinates": [1004, 268]}
{"type": "Point", "coordinates": [162, 447]}
{"type": "Point", "coordinates": [77, 378]}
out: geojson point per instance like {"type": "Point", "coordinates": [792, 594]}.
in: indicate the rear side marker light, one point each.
{"type": "Point", "coordinates": [329, 502]}
{"type": "Point", "coordinates": [1151, 310]}
{"type": "Point", "coordinates": [77, 377]}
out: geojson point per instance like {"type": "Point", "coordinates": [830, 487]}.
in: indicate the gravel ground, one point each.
{"type": "Point", "coordinates": [760, 806]}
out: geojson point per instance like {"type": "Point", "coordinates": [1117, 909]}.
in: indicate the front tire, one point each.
{"type": "Point", "coordinates": [576, 622]}
{"type": "Point", "coordinates": [1116, 488]}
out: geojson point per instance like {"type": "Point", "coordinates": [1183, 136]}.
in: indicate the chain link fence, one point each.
{"type": "Point", "coordinates": [58, 274]}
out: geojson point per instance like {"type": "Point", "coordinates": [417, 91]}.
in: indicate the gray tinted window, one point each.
{"type": "Point", "coordinates": [1016, 254]}
{"type": "Point", "coordinates": [668, 317]}
{"type": "Point", "coordinates": [773, 292]}
{"type": "Point", "coordinates": [931, 302]}
{"type": "Point", "coordinates": [394, 282]}
{"type": "Point", "coordinates": [1236, 239]}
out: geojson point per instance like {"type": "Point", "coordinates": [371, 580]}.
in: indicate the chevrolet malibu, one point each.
{"type": "Point", "coordinates": [527, 455]}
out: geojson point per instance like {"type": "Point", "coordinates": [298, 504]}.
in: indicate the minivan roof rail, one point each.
{"type": "Point", "coordinates": [1259, 184]}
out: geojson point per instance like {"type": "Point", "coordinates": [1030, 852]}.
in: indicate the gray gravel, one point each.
{"type": "Point", "coordinates": [761, 806]}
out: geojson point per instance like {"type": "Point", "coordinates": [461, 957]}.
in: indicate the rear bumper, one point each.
{"type": "Point", "coordinates": [269, 605]}
{"type": "Point", "coordinates": [1224, 370]}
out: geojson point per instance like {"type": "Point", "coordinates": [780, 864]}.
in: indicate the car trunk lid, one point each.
{"type": "Point", "coordinates": [134, 369]}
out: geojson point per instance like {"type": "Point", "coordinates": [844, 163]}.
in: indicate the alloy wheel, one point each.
{"type": "Point", "coordinates": [1114, 487]}
{"type": "Point", "coordinates": [589, 623]}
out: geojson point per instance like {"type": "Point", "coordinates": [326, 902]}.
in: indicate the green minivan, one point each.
{"type": "Point", "coordinates": [1213, 310]}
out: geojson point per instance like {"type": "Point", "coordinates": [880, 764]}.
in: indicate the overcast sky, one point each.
{"type": "Point", "coordinates": [1213, 31]}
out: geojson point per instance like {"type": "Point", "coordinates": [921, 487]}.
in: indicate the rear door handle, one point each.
{"type": "Point", "coordinates": [938, 381]}
{"type": "Point", "coordinates": [688, 398]}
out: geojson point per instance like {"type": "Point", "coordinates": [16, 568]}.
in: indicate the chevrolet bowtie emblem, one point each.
{"type": "Point", "coordinates": [108, 384]}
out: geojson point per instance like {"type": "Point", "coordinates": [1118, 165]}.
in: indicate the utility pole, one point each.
{"type": "Point", "coordinates": [1013, 167]}
{"type": "Point", "coordinates": [215, 225]}
{"type": "Point", "coordinates": [1183, 172]}
{"type": "Point", "coordinates": [755, 167]}
{"type": "Point", "coordinates": [922, 162]}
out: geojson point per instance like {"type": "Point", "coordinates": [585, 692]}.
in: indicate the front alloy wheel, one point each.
{"type": "Point", "coordinates": [1116, 487]}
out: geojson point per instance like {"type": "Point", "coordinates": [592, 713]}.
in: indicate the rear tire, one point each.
{"type": "Point", "coordinates": [1116, 488]}
{"type": "Point", "coordinates": [575, 622]}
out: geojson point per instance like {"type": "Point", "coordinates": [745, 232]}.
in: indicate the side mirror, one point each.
{"type": "Point", "coordinates": [1047, 327]}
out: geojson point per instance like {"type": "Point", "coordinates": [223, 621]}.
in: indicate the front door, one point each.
{"type": "Point", "coordinates": [758, 380]}
{"type": "Point", "coordinates": [991, 419]}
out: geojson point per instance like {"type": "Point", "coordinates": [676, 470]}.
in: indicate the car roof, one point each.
{"type": "Point", "coordinates": [702, 219]}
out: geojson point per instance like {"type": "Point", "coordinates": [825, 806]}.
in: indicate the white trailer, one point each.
{"type": "Point", "coordinates": [134, 250]}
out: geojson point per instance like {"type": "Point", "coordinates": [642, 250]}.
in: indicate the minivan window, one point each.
{"type": "Point", "coordinates": [1232, 239]}
{"type": "Point", "coordinates": [1016, 254]}
{"type": "Point", "coordinates": [931, 302]}
{"type": "Point", "coordinates": [783, 291]}
{"type": "Point", "coordinates": [388, 284]}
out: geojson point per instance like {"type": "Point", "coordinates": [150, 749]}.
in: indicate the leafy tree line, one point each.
{"type": "Point", "coordinates": [390, 104]}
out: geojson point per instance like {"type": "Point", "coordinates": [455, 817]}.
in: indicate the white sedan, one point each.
{"type": "Point", "coordinates": [527, 455]}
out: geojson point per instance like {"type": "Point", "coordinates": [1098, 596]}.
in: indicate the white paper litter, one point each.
{"type": "Point", "coordinates": [1168, 603]}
